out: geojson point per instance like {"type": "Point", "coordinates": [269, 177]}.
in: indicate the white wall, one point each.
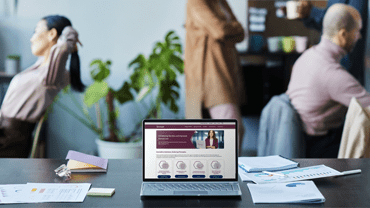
{"type": "Point", "coordinates": [109, 29]}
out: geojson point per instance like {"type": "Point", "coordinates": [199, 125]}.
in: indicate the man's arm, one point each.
{"type": "Point", "coordinates": [342, 86]}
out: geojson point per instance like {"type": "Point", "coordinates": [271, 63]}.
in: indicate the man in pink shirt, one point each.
{"type": "Point", "coordinates": [320, 88]}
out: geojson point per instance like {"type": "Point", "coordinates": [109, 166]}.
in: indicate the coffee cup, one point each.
{"type": "Point", "coordinates": [274, 44]}
{"type": "Point", "coordinates": [292, 9]}
{"type": "Point", "coordinates": [257, 43]}
{"type": "Point", "coordinates": [288, 44]}
{"type": "Point", "coordinates": [300, 43]}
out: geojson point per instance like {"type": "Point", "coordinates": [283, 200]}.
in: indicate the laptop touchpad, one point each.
{"type": "Point", "coordinates": [194, 193]}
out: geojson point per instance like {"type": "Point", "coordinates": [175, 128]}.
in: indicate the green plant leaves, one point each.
{"type": "Point", "coordinates": [101, 71]}
{"type": "Point", "coordinates": [95, 92]}
{"type": "Point", "coordinates": [123, 95]}
{"type": "Point", "coordinates": [160, 70]}
{"type": "Point", "coordinates": [140, 62]}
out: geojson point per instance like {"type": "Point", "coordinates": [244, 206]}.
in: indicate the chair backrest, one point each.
{"type": "Point", "coordinates": [280, 130]}
{"type": "Point", "coordinates": [37, 136]}
{"type": "Point", "coordinates": [356, 132]}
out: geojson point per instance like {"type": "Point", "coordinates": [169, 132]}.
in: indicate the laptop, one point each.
{"type": "Point", "coordinates": [173, 165]}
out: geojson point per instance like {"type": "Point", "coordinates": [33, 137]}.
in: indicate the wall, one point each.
{"type": "Point", "coordinates": [110, 29]}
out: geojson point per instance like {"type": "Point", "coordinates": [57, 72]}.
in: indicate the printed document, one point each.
{"type": "Point", "coordinates": [297, 174]}
{"type": "Point", "coordinates": [55, 192]}
{"type": "Point", "coordinates": [44, 192]}
{"type": "Point", "coordinates": [9, 194]}
{"type": "Point", "coordinates": [294, 192]}
{"type": "Point", "coordinates": [243, 175]}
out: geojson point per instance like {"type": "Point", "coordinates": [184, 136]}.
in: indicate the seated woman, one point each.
{"type": "Point", "coordinates": [211, 141]}
{"type": "Point", "coordinates": [32, 91]}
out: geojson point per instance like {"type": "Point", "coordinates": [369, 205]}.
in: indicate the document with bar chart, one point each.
{"type": "Point", "coordinates": [297, 174]}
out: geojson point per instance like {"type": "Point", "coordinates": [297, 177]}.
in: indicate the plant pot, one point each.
{"type": "Point", "coordinates": [12, 66]}
{"type": "Point", "coordinates": [119, 150]}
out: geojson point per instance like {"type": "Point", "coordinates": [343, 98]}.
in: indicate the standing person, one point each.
{"type": "Point", "coordinates": [32, 91]}
{"type": "Point", "coordinates": [321, 89]}
{"type": "Point", "coordinates": [211, 61]}
{"type": "Point", "coordinates": [211, 140]}
{"type": "Point", "coordinates": [313, 17]}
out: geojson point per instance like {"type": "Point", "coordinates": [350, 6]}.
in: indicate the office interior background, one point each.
{"type": "Point", "coordinates": [116, 30]}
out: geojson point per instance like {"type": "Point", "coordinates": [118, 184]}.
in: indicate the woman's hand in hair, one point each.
{"type": "Point", "coordinates": [70, 36]}
{"type": "Point", "coordinates": [75, 49]}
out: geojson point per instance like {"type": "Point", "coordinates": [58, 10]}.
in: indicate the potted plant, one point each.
{"type": "Point", "coordinates": [12, 64]}
{"type": "Point", "coordinates": [98, 91]}
{"type": "Point", "coordinates": [158, 71]}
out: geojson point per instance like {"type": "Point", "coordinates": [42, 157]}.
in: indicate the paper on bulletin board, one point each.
{"type": "Point", "coordinates": [257, 27]}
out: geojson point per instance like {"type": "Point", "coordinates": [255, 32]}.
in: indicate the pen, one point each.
{"type": "Point", "coordinates": [348, 172]}
{"type": "Point", "coordinates": [279, 174]}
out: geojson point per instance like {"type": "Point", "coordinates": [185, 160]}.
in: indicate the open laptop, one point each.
{"type": "Point", "coordinates": [173, 165]}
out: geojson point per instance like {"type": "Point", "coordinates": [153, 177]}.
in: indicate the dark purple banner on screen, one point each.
{"type": "Point", "coordinates": [192, 126]}
{"type": "Point", "coordinates": [175, 140]}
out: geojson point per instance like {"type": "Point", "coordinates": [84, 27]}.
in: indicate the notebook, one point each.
{"type": "Point", "coordinates": [78, 167]}
{"type": "Point", "coordinates": [295, 192]}
{"type": "Point", "coordinates": [80, 162]}
{"type": "Point", "coordinates": [267, 163]}
{"type": "Point", "coordinates": [174, 166]}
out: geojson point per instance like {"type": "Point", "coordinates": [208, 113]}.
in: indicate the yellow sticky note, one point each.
{"type": "Point", "coordinates": [101, 192]}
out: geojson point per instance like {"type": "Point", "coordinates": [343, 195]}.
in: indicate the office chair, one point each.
{"type": "Point", "coordinates": [280, 130]}
{"type": "Point", "coordinates": [36, 137]}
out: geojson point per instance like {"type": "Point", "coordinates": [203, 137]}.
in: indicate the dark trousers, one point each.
{"type": "Point", "coordinates": [15, 138]}
{"type": "Point", "coordinates": [326, 146]}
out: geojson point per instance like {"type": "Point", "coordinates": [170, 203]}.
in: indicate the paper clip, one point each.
{"type": "Point", "coordinates": [63, 171]}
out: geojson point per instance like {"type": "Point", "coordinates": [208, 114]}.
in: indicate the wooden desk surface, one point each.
{"type": "Point", "coordinates": [125, 177]}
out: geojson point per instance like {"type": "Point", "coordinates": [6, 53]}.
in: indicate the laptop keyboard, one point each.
{"type": "Point", "coordinates": [193, 187]}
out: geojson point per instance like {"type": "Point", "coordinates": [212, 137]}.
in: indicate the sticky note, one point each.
{"type": "Point", "coordinates": [101, 192]}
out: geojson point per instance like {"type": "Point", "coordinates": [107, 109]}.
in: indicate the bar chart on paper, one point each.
{"type": "Point", "coordinates": [297, 174]}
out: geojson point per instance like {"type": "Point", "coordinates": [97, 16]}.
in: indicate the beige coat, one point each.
{"type": "Point", "coordinates": [211, 60]}
{"type": "Point", "coordinates": [355, 141]}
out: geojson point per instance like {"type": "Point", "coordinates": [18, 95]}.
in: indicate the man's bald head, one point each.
{"type": "Point", "coordinates": [340, 16]}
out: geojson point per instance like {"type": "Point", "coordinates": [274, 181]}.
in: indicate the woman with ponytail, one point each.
{"type": "Point", "coordinates": [32, 91]}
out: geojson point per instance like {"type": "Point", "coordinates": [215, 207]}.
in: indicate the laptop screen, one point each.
{"type": "Point", "coordinates": [190, 150]}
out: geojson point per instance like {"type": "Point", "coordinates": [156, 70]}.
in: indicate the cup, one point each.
{"type": "Point", "coordinates": [300, 43]}
{"type": "Point", "coordinates": [292, 9]}
{"type": "Point", "coordinates": [274, 44]}
{"type": "Point", "coordinates": [256, 43]}
{"type": "Point", "coordinates": [288, 44]}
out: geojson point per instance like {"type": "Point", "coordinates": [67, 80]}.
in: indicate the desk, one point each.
{"type": "Point", "coordinates": [125, 176]}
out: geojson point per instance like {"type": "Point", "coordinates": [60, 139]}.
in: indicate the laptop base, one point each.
{"type": "Point", "coordinates": [232, 189]}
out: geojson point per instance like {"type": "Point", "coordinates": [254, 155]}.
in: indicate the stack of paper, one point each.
{"type": "Point", "coordinates": [80, 162]}
{"type": "Point", "coordinates": [296, 192]}
{"type": "Point", "coordinates": [268, 163]}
